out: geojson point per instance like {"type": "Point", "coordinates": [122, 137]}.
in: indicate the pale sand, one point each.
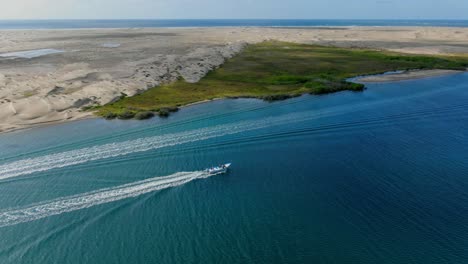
{"type": "Point", "coordinates": [100, 64]}
{"type": "Point", "coordinates": [406, 75]}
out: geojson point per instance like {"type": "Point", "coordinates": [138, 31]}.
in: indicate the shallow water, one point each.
{"type": "Point", "coordinates": [371, 177]}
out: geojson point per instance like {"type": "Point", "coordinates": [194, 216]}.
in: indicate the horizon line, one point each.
{"type": "Point", "coordinates": [343, 19]}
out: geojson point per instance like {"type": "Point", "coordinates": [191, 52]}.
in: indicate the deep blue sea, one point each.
{"type": "Point", "coordinates": [139, 23]}
{"type": "Point", "coordinates": [379, 176]}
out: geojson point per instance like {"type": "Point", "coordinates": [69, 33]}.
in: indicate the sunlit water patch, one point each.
{"type": "Point", "coordinates": [29, 54]}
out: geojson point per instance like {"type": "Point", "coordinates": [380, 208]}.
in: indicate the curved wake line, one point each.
{"type": "Point", "coordinates": [79, 156]}
{"type": "Point", "coordinates": [86, 200]}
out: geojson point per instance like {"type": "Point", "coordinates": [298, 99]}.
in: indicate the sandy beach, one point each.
{"type": "Point", "coordinates": [47, 76]}
{"type": "Point", "coordinates": [406, 75]}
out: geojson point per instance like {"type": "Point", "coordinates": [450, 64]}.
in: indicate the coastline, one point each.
{"type": "Point", "coordinates": [377, 78]}
{"type": "Point", "coordinates": [23, 127]}
{"type": "Point", "coordinates": [405, 75]}
{"type": "Point", "coordinates": [89, 115]}
{"type": "Point", "coordinates": [53, 88]}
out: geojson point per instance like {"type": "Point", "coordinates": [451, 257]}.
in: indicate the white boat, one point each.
{"type": "Point", "coordinates": [219, 169]}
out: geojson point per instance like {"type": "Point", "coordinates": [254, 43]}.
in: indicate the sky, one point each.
{"type": "Point", "coordinates": [231, 9]}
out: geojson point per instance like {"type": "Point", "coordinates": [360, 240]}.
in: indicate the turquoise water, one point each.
{"type": "Point", "coordinates": [132, 23]}
{"type": "Point", "coordinates": [372, 177]}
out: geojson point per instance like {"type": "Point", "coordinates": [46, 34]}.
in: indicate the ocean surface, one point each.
{"type": "Point", "coordinates": [379, 176]}
{"type": "Point", "coordinates": [139, 23]}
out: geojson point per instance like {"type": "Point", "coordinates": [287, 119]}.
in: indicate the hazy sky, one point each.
{"type": "Point", "coordinates": [312, 9]}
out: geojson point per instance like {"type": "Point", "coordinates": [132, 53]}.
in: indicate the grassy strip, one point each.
{"type": "Point", "coordinates": [276, 71]}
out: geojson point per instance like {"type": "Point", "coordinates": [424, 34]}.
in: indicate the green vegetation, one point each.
{"type": "Point", "coordinates": [163, 113]}
{"type": "Point", "coordinates": [126, 114]}
{"type": "Point", "coordinates": [90, 107]}
{"type": "Point", "coordinates": [29, 93]}
{"type": "Point", "coordinates": [109, 115]}
{"type": "Point", "coordinates": [277, 71]}
{"type": "Point", "coordinates": [144, 115]}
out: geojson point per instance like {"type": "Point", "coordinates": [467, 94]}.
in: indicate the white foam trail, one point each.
{"type": "Point", "coordinates": [86, 200]}
{"type": "Point", "coordinates": [79, 156]}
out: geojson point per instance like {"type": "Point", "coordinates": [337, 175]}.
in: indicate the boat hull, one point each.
{"type": "Point", "coordinates": [220, 169]}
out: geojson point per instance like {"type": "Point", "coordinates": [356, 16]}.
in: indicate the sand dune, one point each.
{"type": "Point", "coordinates": [98, 65]}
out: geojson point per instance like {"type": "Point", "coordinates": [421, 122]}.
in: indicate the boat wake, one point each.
{"type": "Point", "coordinates": [98, 152]}
{"type": "Point", "coordinates": [86, 200]}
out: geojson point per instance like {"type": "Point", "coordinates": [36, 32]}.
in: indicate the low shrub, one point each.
{"type": "Point", "coordinates": [126, 115]}
{"type": "Point", "coordinates": [276, 97]}
{"type": "Point", "coordinates": [163, 112]}
{"type": "Point", "coordinates": [109, 115]}
{"type": "Point", "coordinates": [144, 115]}
{"type": "Point", "coordinates": [333, 86]}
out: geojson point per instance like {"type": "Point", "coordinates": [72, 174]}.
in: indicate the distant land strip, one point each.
{"type": "Point", "coordinates": [274, 70]}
